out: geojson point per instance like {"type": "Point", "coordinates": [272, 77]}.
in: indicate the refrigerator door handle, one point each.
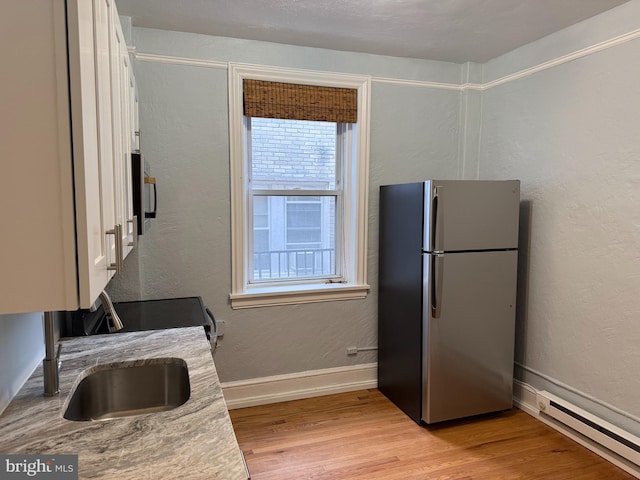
{"type": "Point", "coordinates": [436, 285]}
{"type": "Point", "coordinates": [437, 230]}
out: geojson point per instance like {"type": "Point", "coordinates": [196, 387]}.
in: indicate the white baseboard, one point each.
{"type": "Point", "coordinates": [296, 386]}
{"type": "Point", "coordinates": [525, 399]}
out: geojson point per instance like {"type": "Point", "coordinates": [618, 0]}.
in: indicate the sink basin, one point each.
{"type": "Point", "coordinates": [129, 388]}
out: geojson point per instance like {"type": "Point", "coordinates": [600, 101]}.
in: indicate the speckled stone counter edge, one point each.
{"type": "Point", "coordinates": [195, 440]}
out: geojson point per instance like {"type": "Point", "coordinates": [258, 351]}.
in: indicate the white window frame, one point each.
{"type": "Point", "coordinates": [356, 175]}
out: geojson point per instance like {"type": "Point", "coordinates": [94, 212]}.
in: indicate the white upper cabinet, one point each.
{"type": "Point", "coordinates": [65, 186]}
{"type": "Point", "coordinates": [121, 126]}
{"type": "Point", "coordinates": [135, 125]}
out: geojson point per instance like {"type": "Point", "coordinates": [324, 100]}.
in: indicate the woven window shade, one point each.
{"type": "Point", "coordinates": [300, 102]}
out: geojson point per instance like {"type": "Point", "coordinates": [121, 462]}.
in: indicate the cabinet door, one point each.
{"type": "Point", "coordinates": [135, 126]}
{"type": "Point", "coordinates": [130, 229]}
{"type": "Point", "coordinates": [91, 160]}
{"type": "Point", "coordinates": [121, 153]}
{"type": "Point", "coordinates": [102, 18]}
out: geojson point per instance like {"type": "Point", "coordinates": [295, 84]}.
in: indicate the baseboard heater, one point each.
{"type": "Point", "coordinates": [611, 437]}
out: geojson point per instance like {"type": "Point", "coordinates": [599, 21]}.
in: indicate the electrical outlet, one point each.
{"type": "Point", "coordinates": [352, 350]}
{"type": "Point", "coordinates": [222, 326]}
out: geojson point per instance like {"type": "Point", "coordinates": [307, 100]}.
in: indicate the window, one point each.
{"type": "Point", "coordinates": [299, 186]}
{"type": "Point", "coordinates": [290, 158]}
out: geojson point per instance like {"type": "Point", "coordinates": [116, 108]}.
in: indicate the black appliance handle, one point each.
{"type": "Point", "coordinates": [152, 181]}
{"type": "Point", "coordinates": [214, 324]}
{"type": "Point", "coordinates": [214, 333]}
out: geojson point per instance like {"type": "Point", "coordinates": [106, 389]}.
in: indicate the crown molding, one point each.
{"type": "Point", "coordinates": [613, 42]}
{"type": "Point", "coordinates": [598, 47]}
{"type": "Point", "coordinates": [194, 62]}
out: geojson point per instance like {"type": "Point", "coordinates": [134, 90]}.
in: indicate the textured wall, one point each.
{"type": "Point", "coordinates": [570, 133]}
{"type": "Point", "coordinates": [184, 122]}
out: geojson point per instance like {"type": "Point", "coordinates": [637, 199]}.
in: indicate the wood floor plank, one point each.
{"type": "Point", "coordinates": [363, 436]}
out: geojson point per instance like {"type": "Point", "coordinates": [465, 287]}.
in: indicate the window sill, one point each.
{"type": "Point", "coordinates": [295, 294]}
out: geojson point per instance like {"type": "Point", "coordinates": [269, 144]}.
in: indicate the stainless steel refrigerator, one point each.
{"type": "Point", "coordinates": [446, 300]}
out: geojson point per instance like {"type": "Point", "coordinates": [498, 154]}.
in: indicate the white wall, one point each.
{"type": "Point", "coordinates": [21, 351]}
{"type": "Point", "coordinates": [415, 133]}
{"type": "Point", "coordinates": [571, 133]}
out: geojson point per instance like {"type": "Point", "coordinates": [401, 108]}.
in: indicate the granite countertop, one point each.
{"type": "Point", "coordinates": [194, 441]}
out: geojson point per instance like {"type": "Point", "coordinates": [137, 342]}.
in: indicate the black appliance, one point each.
{"type": "Point", "coordinates": [144, 315]}
{"type": "Point", "coordinates": [145, 199]}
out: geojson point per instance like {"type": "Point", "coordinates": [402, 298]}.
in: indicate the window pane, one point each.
{"type": "Point", "coordinates": [288, 154]}
{"type": "Point", "coordinates": [261, 233]}
{"type": "Point", "coordinates": [260, 212]}
{"type": "Point", "coordinates": [304, 222]}
{"type": "Point", "coordinates": [261, 240]}
{"type": "Point", "coordinates": [300, 238]}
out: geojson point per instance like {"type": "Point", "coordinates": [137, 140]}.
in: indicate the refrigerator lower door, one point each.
{"type": "Point", "coordinates": [469, 328]}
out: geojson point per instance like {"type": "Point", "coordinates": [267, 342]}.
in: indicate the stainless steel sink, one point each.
{"type": "Point", "coordinates": [130, 388]}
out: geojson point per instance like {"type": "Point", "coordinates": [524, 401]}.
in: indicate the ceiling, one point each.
{"type": "Point", "coordinates": [451, 30]}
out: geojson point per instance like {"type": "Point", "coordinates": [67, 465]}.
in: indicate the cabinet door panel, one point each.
{"type": "Point", "coordinates": [119, 91]}
{"type": "Point", "coordinates": [127, 207]}
{"type": "Point", "coordinates": [89, 160]}
{"type": "Point", "coordinates": [102, 16]}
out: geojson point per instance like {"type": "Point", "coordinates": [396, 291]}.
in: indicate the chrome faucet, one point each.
{"type": "Point", "coordinates": [51, 362]}
{"type": "Point", "coordinates": [113, 320]}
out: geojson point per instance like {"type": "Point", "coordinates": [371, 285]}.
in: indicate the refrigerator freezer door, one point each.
{"type": "Point", "coordinates": [464, 215]}
{"type": "Point", "coordinates": [469, 349]}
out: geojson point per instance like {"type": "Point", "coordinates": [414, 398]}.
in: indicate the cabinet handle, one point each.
{"type": "Point", "coordinates": [134, 222]}
{"type": "Point", "coordinates": [119, 249]}
{"type": "Point", "coordinates": [119, 263]}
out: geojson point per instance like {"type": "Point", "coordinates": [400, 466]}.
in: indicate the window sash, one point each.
{"type": "Point", "coordinates": [340, 138]}
{"type": "Point", "coordinates": [339, 261]}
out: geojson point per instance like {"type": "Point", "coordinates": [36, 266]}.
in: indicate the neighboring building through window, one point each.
{"type": "Point", "coordinates": [297, 237]}
{"type": "Point", "coordinates": [299, 186]}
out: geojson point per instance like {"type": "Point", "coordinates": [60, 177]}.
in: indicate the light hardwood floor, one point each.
{"type": "Point", "coordinates": [363, 436]}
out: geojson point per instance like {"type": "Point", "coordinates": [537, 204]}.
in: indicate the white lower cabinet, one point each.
{"type": "Point", "coordinates": [65, 189]}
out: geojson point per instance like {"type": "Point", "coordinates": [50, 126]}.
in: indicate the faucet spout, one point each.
{"type": "Point", "coordinates": [51, 362]}
{"type": "Point", "coordinates": [113, 320]}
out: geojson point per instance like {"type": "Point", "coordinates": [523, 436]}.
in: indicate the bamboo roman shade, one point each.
{"type": "Point", "coordinates": [299, 102]}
